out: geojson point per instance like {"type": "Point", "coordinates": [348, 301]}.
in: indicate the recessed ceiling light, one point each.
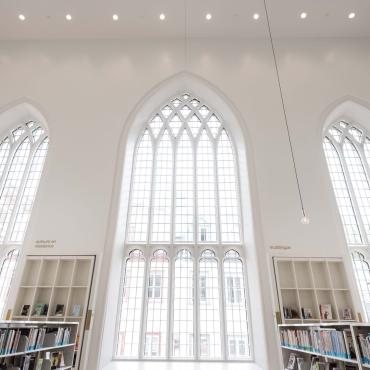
{"type": "Point", "coordinates": [115, 17]}
{"type": "Point", "coordinates": [21, 17]}
{"type": "Point", "coordinates": [208, 16]}
{"type": "Point", "coordinates": [256, 16]}
{"type": "Point", "coordinates": [162, 16]}
{"type": "Point", "coordinates": [303, 15]}
{"type": "Point", "coordinates": [68, 17]}
{"type": "Point", "coordinates": [351, 15]}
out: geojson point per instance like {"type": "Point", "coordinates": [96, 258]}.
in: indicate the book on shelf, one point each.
{"type": "Point", "coordinates": [76, 310]}
{"type": "Point", "coordinates": [324, 341]}
{"type": "Point", "coordinates": [59, 310]}
{"type": "Point", "coordinates": [40, 309]}
{"type": "Point", "coordinates": [302, 364]}
{"type": "Point", "coordinates": [326, 312]}
{"type": "Point", "coordinates": [346, 313]}
{"type": "Point", "coordinates": [307, 313]}
{"type": "Point", "coordinates": [291, 362]}
{"type": "Point", "coordinates": [25, 310]}
{"type": "Point", "coordinates": [364, 344]}
{"type": "Point", "coordinates": [290, 313]}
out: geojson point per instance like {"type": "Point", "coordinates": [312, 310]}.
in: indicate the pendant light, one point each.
{"type": "Point", "coordinates": [305, 219]}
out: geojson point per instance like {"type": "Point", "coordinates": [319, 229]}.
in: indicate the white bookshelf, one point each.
{"type": "Point", "coordinates": [48, 345]}
{"type": "Point", "coordinates": [355, 329]}
{"type": "Point", "coordinates": [311, 282]}
{"type": "Point", "coordinates": [57, 280]}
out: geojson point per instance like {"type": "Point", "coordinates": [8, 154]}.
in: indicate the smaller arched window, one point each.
{"type": "Point", "coordinates": [6, 275]}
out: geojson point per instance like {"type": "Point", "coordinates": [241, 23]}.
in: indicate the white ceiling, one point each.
{"type": "Point", "coordinates": [139, 18]}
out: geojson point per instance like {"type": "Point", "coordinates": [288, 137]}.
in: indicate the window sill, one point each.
{"type": "Point", "coordinates": [173, 365]}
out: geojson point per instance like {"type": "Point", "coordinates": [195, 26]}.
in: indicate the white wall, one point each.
{"type": "Point", "coordinates": [87, 89]}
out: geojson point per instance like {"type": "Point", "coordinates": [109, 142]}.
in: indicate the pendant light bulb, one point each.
{"type": "Point", "coordinates": [305, 220]}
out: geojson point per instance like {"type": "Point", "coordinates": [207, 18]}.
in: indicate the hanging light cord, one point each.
{"type": "Point", "coordinates": [284, 108]}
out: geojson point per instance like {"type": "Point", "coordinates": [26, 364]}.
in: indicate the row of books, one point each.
{"type": "Point", "coordinates": [36, 338]}
{"type": "Point", "coordinates": [315, 363]}
{"type": "Point", "coordinates": [51, 360]}
{"type": "Point", "coordinates": [326, 341]}
{"type": "Point", "coordinates": [364, 342]}
{"type": "Point", "coordinates": [9, 340]}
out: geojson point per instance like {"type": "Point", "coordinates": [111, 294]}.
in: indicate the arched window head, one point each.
{"type": "Point", "coordinates": [184, 209]}
{"type": "Point", "coordinates": [185, 180]}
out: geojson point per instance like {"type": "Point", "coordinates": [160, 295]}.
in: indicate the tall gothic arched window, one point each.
{"type": "Point", "coordinates": [347, 151]}
{"type": "Point", "coordinates": [22, 154]}
{"type": "Point", "coordinates": [183, 292]}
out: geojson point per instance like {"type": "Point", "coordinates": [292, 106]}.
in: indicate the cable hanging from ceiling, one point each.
{"type": "Point", "coordinates": [305, 219]}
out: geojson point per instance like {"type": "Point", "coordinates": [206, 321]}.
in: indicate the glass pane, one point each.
{"type": "Point", "coordinates": [162, 200]}
{"type": "Point", "coordinates": [12, 185]}
{"type": "Point", "coordinates": [206, 190]}
{"type": "Point", "coordinates": [29, 192]}
{"type": "Point", "coordinates": [183, 322]}
{"type": "Point", "coordinates": [227, 187]}
{"type": "Point", "coordinates": [4, 154]}
{"type": "Point", "coordinates": [209, 308]}
{"type": "Point", "coordinates": [141, 191]}
{"type": "Point", "coordinates": [359, 182]}
{"type": "Point", "coordinates": [131, 306]}
{"type": "Point", "coordinates": [157, 308]}
{"type": "Point", "coordinates": [342, 194]}
{"type": "Point", "coordinates": [7, 270]}
{"type": "Point", "coordinates": [236, 310]}
{"type": "Point", "coordinates": [184, 190]}
{"type": "Point", "coordinates": [362, 272]}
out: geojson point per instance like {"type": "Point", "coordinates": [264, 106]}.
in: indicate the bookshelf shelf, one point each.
{"type": "Point", "coordinates": [60, 285]}
{"type": "Point", "coordinates": [313, 289]}
{"type": "Point", "coordinates": [347, 343]}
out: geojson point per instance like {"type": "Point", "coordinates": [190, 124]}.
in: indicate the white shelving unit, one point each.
{"type": "Point", "coordinates": [57, 280]}
{"type": "Point", "coordinates": [49, 345]}
{"type": "Point", "coordinates": [354, 328]}
{"type": "Point", "coordinates": [309, 283]}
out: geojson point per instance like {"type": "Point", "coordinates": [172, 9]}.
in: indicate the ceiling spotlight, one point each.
{"type": "Point", "coordinates": [256, 16]}
{"type": "Point", "coordinates": [351, 15]}
{"type": "Point", "coordinates": [115, 17]}
{"type": "Point", "coordinates": [208, 16]}
{"type": "Point", "coordinates": [303, 15]}
{"type": "Point", "coordinates": [21, 17]}
{"type": "Point", "coordinates": [162, 17]}
{"type": "Point", "coordinates": [68, 17]}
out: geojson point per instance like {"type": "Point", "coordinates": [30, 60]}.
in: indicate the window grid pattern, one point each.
{"type": "Point", "coordinates": [162, 197]}
{"type": "Point", "coordinates": [132, 301]}
{"type": "Point", "coordinates": [157, 307]}
{"type": "Point", "coordinates": [235, 306]}
{"type": "Point", "coordinates": [209, 306]}
{"type": "Point", "coordinates": [183, 307]}
{"type": "Point", "coordinates": [347, 150]}
{"type": "Point", "coordinates": [227, 187]}
{"type": "Point", "coordinates": [186, 160]}
{"type": "Point", "coordinates": [22, 157]}
{"type": "Point", "coordinates": [184, 207]}
{"type": "Point", "coordinates": [7, 270]}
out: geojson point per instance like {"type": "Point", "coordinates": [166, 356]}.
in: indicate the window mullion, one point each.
{"type": "Point", "coordinates": [174, 188]}
{"type": "Point", "coordinates": [195, 189]}
{"type": "Point", "coordinates": [222, 302]}
{"type": "Point", "coordinates": [13, 148]}
{"type": "Point", "coordinates": [170, 306]}
{"type": "Point", "coordinates": [20, 193]}
{"type": "Point", "coordinates": [196, 300]}
{"type": "Point", "coordinates": [144, 308]}
{"type": "Point", "coordinates": [352, 193]}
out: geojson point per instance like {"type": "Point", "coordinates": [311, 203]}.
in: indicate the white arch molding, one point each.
{"type": "Point", "coordinates": [106, 312]}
